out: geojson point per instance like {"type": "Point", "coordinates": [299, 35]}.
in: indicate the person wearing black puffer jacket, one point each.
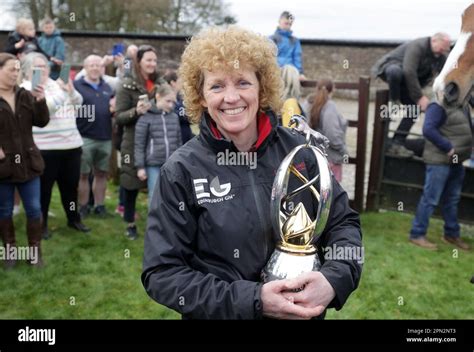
{"type": "Point", "coordinates": [209, 233]}
{"type": "Point", "coordinates": [157, 136]}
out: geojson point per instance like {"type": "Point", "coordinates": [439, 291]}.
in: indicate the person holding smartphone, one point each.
{"type": "Point", "coordinates": [21, 163]}
{"type": "Point", "coordinates": [129, 108]}
{"type": "Point", "coordinates": [59, 141]}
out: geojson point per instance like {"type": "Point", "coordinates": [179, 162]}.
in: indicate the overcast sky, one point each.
{"type": "Point", "coordinates": [354, 19]}
{"type": "Point", "coordinates": [342, 19]}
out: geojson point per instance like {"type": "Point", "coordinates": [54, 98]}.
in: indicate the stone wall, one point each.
{"type": "Point", "coordinates": [340, 60]}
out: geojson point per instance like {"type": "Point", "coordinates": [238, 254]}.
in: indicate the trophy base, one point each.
{"type": "Point", "coordinates": [287, 265]}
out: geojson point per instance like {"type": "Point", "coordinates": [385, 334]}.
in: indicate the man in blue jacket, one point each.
{"type": "Point", "coordinates": [289, 47]}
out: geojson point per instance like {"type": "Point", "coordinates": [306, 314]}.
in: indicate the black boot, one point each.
{"type": "Point", "coordinates": [45, 233]}
{"type": "Point", "coordinates": [34, 232]}
{"type": "Point", "coordinates": [78, 226]}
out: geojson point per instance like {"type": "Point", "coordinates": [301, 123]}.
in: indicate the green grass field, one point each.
{"type": "Point", "coordinates": [97, 276]}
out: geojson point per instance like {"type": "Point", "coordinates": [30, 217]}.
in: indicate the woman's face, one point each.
{"type": "Point", "coordinates": [148, 63]}
{"type": "Point", "coordinates": [231, 99]}
{"type": "Point", "coordinates": [9, 73]}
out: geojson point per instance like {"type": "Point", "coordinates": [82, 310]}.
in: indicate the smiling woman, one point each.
{"type": "Point", "coordinates": [130, 107]}
{"type": "Point", "coordinates": [249, 53]}
{"type": "Point", "coordinates": [232, 100]}
{"type": "Point", "coordinates": [209, 234]}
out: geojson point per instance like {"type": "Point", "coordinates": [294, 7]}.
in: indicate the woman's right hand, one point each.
{"type": "Point", "coordinates": [142, 107]}
{"type": "Point", "coordinates": [38, 92]}
{"type": "Point", "coordinates": [141, 173]}
{"type": "Point", "coordinates": [277, 306]}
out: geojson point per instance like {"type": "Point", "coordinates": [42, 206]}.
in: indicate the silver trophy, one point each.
{"type": "Point", "coordinates": [295, 253]}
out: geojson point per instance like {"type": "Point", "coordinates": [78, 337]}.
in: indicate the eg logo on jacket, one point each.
{"type": "Point", "coordinates": [219, 192]}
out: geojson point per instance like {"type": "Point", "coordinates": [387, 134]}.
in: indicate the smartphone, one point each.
{"type": "Point", "coordinates": [118, 49]}
{"type": "Point", "coordinates": [65, 71]}
{"type": "Point", "coordinates": [36, 78]}
{"type": "Point", "coordinates": [144, 98]}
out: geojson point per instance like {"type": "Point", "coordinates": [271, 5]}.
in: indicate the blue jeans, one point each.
{"type": "Point", "coordinates": [153, 176]}
{"type": "Point", "coordinates": [30, 196]}
{"type": "Point", "coordinates": [442, 183]}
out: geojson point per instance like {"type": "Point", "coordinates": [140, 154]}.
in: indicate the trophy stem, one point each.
{"type": "Point", "coordinates": [294, 249]}
{"type": "Point", "coordinates": [285, 265]}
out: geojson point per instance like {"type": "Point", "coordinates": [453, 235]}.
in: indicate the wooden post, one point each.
{"type": "Point", "coordinates": [381, 98]}
{"type": "Point", "coordinates": [364, 88]}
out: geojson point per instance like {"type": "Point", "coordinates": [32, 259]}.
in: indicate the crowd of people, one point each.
{"type": "Point", "coordinates": [70, 122]}
{"type": "Point", "coordinates": [62, 129]}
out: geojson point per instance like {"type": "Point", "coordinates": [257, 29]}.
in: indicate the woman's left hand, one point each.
{"type": "Point", "coordinates": [38, 92]}
{"type": "Point", "coordinates": [317, 292]}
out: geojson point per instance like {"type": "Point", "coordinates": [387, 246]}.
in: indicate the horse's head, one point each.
{"type": "Point", "coordinates": [455, 81]}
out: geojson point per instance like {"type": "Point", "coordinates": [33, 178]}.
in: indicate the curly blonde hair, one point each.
{"type": "Point", "coordinates": [228, 49]}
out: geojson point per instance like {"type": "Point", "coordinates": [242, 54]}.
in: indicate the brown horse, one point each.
{"type": "Point", "coordinates": [456, 79]}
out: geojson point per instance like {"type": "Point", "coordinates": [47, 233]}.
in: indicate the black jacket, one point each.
{"type": "Point", "coordinates": [209, 233]}
{"type": "Point", "coordinates": [23, 160]}
{"type": "Point", "coordinates": [186, 132]}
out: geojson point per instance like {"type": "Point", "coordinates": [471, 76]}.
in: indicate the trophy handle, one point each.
{"type": "Point", "coordinates": [280, 188]}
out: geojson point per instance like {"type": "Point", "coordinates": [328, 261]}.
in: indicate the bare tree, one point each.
{"type": "Point", "coordinates": [150, 16]}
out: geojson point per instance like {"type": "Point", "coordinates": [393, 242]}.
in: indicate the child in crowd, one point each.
{"type": "Point", "coordinates": [291, 94]}
{"type": "Point", "coordinates": [157, 136]}
{"type": "Point", "coordinates": [326, 119]}
{"type": "Point", "coordinates": [52, 44]}
{"type": "Point", "coordinates": [23, 40]}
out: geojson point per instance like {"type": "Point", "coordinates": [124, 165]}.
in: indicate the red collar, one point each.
{"type": "Point", "coordinates": [264, 128]}
{"type": "Point", "coordinates": [149, 84]}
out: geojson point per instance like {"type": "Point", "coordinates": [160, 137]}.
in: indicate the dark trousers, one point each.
{"type": "Point", "coordinates": [63, 167]}
{"type": "Point", "coordinates": [121, 195]}
{"type": "Point", "coordinates": [393, 75]}
{"type": "Point", "coordinates": [129, 201]}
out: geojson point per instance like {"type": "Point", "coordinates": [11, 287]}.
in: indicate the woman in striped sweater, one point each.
{"type": "Point", "coordinates": [59, 142]}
